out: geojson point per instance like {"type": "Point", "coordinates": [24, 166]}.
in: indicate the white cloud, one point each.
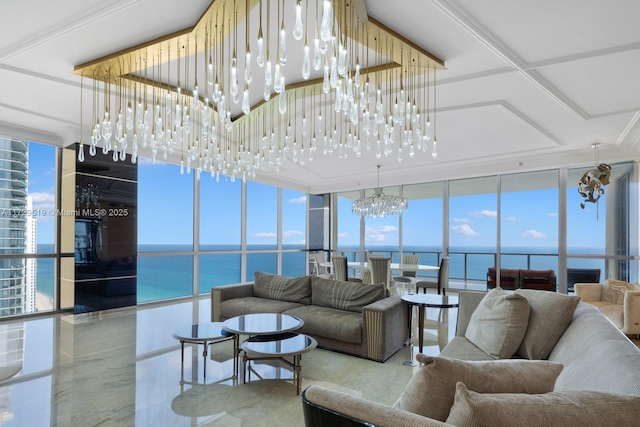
{"type": "Point", "coordinates": [43, 200]}
{"type": "Point", "coordinates": [266, 235]}
{"type": "Point", "coordinates": [534, 234]}
{"type": "Point", "coordinates": [464, 229]}
{"type": "Point", "coordinates": [379, 233]}
{"type": "Point", "coordinates": [553, 214]}
{"type": "Point", "coordinates": [485, 213]}
{"type": "Point", "coordinates": [511, 219]}
{"type": "Point", "coordinates": [461, 220]}
{"type": "Point", "coordinates": [298, 200]}
{"type": "Point", "coordinates": [343, 235]}
{"type": "Point", "coordinates": [292, 233]}
{"type": "Point", "coordinates": [375, 237]}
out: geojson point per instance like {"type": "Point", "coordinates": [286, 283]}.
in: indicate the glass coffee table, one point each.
{"type": "Point", "coordinates": [278, 347]}
{"type": "Point", "coordinates": [202, 333]}
{"type": "Point", "coordinates": [259, 324]}
{"type": "Point", "coordinates": [423, 301]}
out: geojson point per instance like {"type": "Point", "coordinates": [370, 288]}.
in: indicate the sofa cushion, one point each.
{"type": "Point", "coordinates": [462, 349]}
{"type": "Point", "coordinates": [567, 409]}
{"type": "Point", "coordinates": [549, 315]}
{"type": "Point", "coordinates": [249, 305]}
{"type": "Point", "coordinates": [613, 290]}
{"type": "Point", "coordinates": [431, 390]}
{"type": "Point", "coordinates": [348, 296]}
{"type": "Point", "coordinates": [330, 323]}
{"type": "Point", "coordinates": [282, 288]}
{"type": "Point", "coordinates": [499, 323]}
{"type": "Point", "coordinates": [613, 311]}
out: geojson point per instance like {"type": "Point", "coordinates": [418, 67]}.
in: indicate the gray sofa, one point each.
{"type": "Point", "coordinates": [348, 317]}
{"type": "Point", "coordinates": [596, 363]}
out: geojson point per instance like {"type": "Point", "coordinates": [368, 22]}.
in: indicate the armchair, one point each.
{"type": "Point", "coordinates": [618, 300]}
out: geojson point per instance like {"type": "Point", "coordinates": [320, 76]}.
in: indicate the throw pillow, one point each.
{"type": "Point", "coordinates": [550, 314]}
{"type": "Point", "coordinates": [567, 409]}
{"type": "Point", "coordinates": [282, 288]}
{"type": "Point", "coordinates": [613, 290]}
{"type": "Point", "coordinates": [348, 296]}
{"type": "Point", "coordinates": [499, 323]}
{"type": "Point", "coordinates": [431, 390]}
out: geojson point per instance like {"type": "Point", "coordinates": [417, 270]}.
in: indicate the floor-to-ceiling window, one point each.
{"type": "Point", "coordinates": [529, 220]}
{"type": "Point", "coordinates": [382, 234]}
{"type": "Point", "coordinates": [262, 229]}
{"type": "Point", "coordinates": [348, 225]}
{"type": "Point", "coordinates": [422, 223]}
{"type": "Point", "coordinates": [473, 226]}
{"type": "Point", "coordinates": [294, 234]}
{"type": "Point", "coordinates": [220, 223]}
{"type": "Point", "coordinates": [604, 235]}
{"type": "Point", "coordinates": [165, 231]}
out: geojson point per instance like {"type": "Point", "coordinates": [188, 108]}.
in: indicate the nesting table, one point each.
{"type": "Point", "coordinates": [423, 301]}
{"type": "Point", "coordinates": [272, 337]}
{"type": "Point", "coordinates": [205, 334]}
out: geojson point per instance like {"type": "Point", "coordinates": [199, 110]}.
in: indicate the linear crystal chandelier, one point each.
{"type": "Point", "coordinates": [256, 83]}
{"type": "Point", "coordinates": [380, 205]}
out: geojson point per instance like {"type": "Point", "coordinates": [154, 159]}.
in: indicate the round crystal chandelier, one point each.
{"type": "Point", "coordinates": [217, 95]}
{"type": "Point", "coordinates": [380, 205]}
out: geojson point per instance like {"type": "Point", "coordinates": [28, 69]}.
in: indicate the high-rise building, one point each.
{"type": "Point", "coordinates": [14, 165]}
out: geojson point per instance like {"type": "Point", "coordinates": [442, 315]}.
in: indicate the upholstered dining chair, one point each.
{"type": "Point", "coordinates": [366, 274]}
{"type": "Point", "coordinates": [407, 278]}
{"type": "Point", "coordinates": [441, 283]}
{"type": "Point", "coordinates": [341, 269]}
{"type": "Point", "coordinates": [380, 271]}
{"type": "Point", "coordinates": [319, 259]}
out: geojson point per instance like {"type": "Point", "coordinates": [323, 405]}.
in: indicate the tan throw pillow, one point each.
{"type": "Point", "coordinates": [431, 390]}
{"type": "Point", "coordinates": [499, 323]}
{"type": "Point", "coordinates": [566, 409]}
{"type": "Point", "coordinates": [613, 290]}
{"type": "Point", "coordinates": [550, 314]}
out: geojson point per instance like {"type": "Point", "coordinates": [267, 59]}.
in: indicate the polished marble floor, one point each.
{"type": "Point", "coordinates": [123, 368]}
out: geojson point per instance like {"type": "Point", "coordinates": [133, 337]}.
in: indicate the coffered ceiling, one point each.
{"type": "Point", "coordinates": [527, 86]}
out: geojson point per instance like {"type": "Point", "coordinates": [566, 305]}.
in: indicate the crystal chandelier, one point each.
{"type": "Point", "coordinates": [379, 205]}
{"type": "Point", "coordinates": [88, 195]}
{"type": "Point", "coordinates": [222, 96]}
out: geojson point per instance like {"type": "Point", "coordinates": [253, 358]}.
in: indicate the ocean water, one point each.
{"type": "Point", "coordinates": [169, 276]}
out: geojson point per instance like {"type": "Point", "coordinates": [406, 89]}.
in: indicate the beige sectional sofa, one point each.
{"type": "Point", "coordinates": [618, 300]}
{"type": "Point", "coordinates": [587, 373]}
{"type": "Point", "coordinates": [349, 317]}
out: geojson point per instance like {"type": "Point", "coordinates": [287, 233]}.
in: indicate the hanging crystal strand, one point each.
{"type": "Point", "coordinates": [342, 60]}
{"type": "Point", "coordinates": [434, 152]}
{"type": "Point", "coordinates": [326, 25]}
{"type": "Point", "coordinates": [276, 78]}
{"type": "Point", "coordinates": [268, 79]}
{"type": "Point", "coordinates": [282, 106]}
{"type": "Point", "coordinates": [326, 85]}
{"type": "Point", "coordinates": [298, 27]}
{"type": "Point", "coordinates": [306, 60]}
{"type": "Point", "coordinates": [333, 74]}
{"type": "Point", "coordinates": [282, 49]}
{"type": "Point", "coordinates": [306, 65]}
{"type": "Point", "coordinates": [246, 108]}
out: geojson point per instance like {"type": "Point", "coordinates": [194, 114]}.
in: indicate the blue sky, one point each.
{"type": "Point", "coordinates": [166, 209]}
{"type": "Point", "coordinates": [529, 220]}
